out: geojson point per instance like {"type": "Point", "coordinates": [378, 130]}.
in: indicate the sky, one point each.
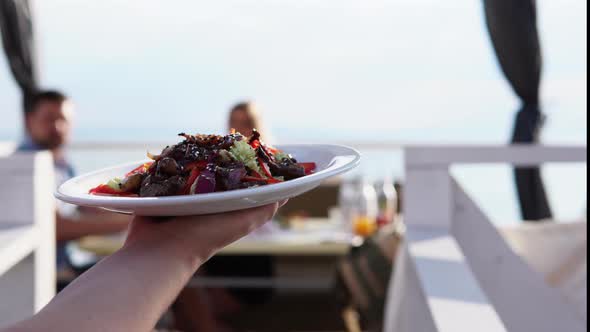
{"type": "Point", "coordinates": [405, 70]}
{"type": "Point", "coordinates": [409, 71]}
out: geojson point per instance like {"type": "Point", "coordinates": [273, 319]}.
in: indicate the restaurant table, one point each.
{"type": "Point", "coordinates": [305, 258]}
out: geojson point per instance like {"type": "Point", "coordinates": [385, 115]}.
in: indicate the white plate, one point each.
{"type": "Point", "coordinates": [331, 160]}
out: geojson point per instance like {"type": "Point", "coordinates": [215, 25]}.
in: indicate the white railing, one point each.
{"type": "Point", "coordinates": [6, 148]}
{"type": "Point", "coordinates": [456, 273]}
{"type": "Point", "coordinates": [27, 235]}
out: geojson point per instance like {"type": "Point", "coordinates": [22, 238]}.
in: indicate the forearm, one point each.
{"type": "Point", "coordinates": [100, 301]}
{"type": "Point", "coordinates": [129, 290]}
{"type": "Point", "coordinates": [68, 229]}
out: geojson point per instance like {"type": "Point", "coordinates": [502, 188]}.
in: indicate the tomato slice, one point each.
{"type": "Point", "coordinates": [308, 167]}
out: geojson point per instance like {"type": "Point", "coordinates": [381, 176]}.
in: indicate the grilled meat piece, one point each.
{"type": "Point", "coordinates": [230, 177]}
{"type": "Point", "coordinates": [168, 166]}
{"type": "Point", "coordinates": [287, 169]}
{"type": "Point", "coordinates": [154, 186]}
{"type": "Point", "coordinates": [132, 182]}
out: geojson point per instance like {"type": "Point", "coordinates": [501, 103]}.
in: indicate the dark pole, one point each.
{"type": "Point", "coordinates": [512, 25]}
{"type": "Point", "coordinates": [16, 26]}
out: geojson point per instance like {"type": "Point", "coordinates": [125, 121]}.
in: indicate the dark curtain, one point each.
{"type": "Point", "coordinates": [16, 27]}
{"type": "Point", "coordinates": [512, 25]}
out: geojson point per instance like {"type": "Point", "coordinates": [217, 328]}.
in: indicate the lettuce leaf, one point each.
{"type": "Point", "coordinates": [244, 153]}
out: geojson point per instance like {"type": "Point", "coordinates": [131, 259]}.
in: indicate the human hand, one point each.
{"type": "Point", "coordinates": [197, 238]}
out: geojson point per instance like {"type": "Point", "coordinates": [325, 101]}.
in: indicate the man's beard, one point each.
{"type": "Point", "coordinates": [50, 144]}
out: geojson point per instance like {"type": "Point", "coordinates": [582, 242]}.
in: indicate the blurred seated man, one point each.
{"type": "Point", "coordinates": [48, 126]}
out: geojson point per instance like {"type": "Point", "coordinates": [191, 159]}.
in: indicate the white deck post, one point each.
{"type": "Point", "coordinates": [27, 235]}
{"type": "Point", "coordinates": [428, 199]}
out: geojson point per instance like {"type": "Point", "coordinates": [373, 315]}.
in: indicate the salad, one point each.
{"type": "Point", "coordinates": [203, 164]}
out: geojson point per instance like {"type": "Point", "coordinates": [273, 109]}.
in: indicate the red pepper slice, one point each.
{"type": "Point", "coordinates": [256, 175]}
{"type": "Point", "coordinates": [191, 179]}
{"type": "Point", "coordinates": [308, 167]}
{"type": "Point", "coordinates": [255, 179]}
{"type": "Point", "coordinates": [270, 152]}
{"type": "Point", "coordinates": [140, 169]}
{"type": "Point", "coordinates": [248, 178]}
{"type": "Point", "coordinates": [103, 189]}
{"type": "Point", "coordinates": [264, 168]}
{"type": "Point", "coordinates": [255, 144]}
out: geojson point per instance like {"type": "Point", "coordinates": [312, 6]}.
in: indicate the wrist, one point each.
{"type": "Point", "coordinates": [183, 253]}
{"type": "Point", "coordinates": [170, 247]}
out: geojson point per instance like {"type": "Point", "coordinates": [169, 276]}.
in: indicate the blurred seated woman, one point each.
{"type": "Point", "coordinates": [190, 310]}
{"type": "Point", "coordinates": [244, 118]}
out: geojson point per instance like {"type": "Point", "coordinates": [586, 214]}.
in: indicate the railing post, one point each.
{"type": "Point", "coordinates": [44, 214]}
{"type": "Point", "coordinates": [462, 272]}
{"type": "Point", "coordinates": [428, 200]}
